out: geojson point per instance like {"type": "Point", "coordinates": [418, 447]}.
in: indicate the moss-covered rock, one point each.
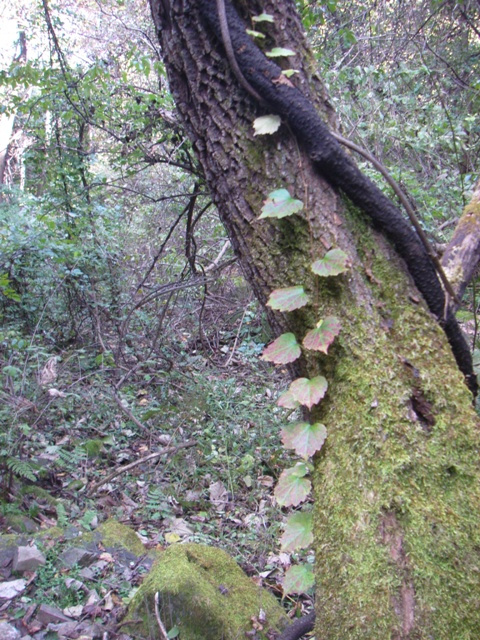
{"type": "Point", "coordinates": [205, 593]}
{"type": "Point", "coordinates": [117, 535]}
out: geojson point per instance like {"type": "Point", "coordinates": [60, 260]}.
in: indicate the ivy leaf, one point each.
{"type": "Point", "coordinates": [278, 52]}
{"type": "Point", "coordinates": [289, 72]}
{"type": "Point", "coordinates": [263, 17]}
{"type": "Point", "coordinates": [298, 532]}
{"type": "Point", "coordinates": [320, 338]}
{"type": "Point", "coordinates": [283, 350]}
{"type": "Point", "coordinates": [288, 299]}
{"type": "Point", "coordinates": [309, 392]}
{"type": "Point", "coordinates": [292, 487]}
{"type": "Point", "coordinates": [298, 579]}
{"type": "Point", "coordinates": [287, 401]}
{"type": "Point", "coordinates": [304, 438]}
{"type": "Point", "coordinates": [280, 204]}
{"type": "Point", "coordinates": [333, 263]}
{"type": "Point", "coordinates": [255, 34]}
{"type": "Point", "coordinates": [266, 125]}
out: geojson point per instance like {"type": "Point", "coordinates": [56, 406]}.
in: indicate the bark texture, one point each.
{"type": "Point", "coordinates": [462, 255]}
{"type": "Point", "coordinates": [397, 533]}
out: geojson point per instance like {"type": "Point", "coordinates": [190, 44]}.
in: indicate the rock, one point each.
{"type": "Point", "coordinates": [77, 630]}
{"type": "Point", "coordinates": [206, 595]}
{"type": "Point", "coordinates": [87, 573]}
{"type": "Point", "coordinates": [8, 632]}
{"type": "Point", "coordinates": [76, 555]}
{"type": "Point", "coordinates": [74, 611]}
{"type": "Point", "coordinates": [116, 535]}
{"type": "Point", "coordinates": [20, 524]}
{"type": "Point", "coordinates": [47, 614]}
{"type": "Point", "coordinates": [27, 559]}
{"type": "Point", "coordinates": [9, 590]}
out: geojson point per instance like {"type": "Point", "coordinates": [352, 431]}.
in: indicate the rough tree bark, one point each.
{"type": "Point", "coordinates": [397, 493]}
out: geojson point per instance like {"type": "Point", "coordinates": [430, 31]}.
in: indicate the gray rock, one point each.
{"type": "Point", "coordinates": [27, 559]}
{"type": "Point", "coordinates": [87, 573]}
{"type": "Point", "coordinates": [78, 630]}
{"type": "Point", "coordinates": [21, 524]}
{"type": "Point", "coordinates": [7, 632]}
{"type": "Point", "coordinates": [47, 614]}
{"type": "Point", "coordinates": [11, 589]}
{"type": "Point", "coordinates": [76, 555]}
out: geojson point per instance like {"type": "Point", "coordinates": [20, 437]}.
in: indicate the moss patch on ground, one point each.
{"type": "Point", "coordinates": [115, 534]}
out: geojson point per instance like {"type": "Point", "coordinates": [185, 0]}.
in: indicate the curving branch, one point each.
{"type": "Point", "coordinates": [325, 152]}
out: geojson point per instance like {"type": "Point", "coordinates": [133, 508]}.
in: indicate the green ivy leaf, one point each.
{"type": "Point", "coordinates": [288, 299]}
{"type": "Point", "coordinates": [263, 17]}
{"type": "Point", "coordinates": [309, 392]}
{"type": "Point", "coordinates": [320, 338]}
{"type": "Point", "coordinates": [289, 72]}
{"type": "Point", "coordinates": [266, 125]}
{"type": "Point", "coordinates": [278, 52]}
{"type": "Point", "coordinates": [280, 204]}
{"type": "Point", "coordinates": [298, 532]}
{"type": "Point", "coordinates": [333, 263]}
{"type": "Point", "coordinates": [304, 438]}
{"type": "Point", "coordinates": [292, 487]}
{"type": "Point", "coordinates": [283, 350]}
{"type": "Point", "coordinates": [255, 34]}
{"type": "Point", "coordinates": [298, 579]}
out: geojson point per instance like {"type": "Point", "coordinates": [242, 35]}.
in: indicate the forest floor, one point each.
{"type": "Point", "coordinates": [96, 453]}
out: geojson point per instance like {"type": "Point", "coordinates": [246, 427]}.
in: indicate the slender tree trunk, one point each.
{"type": "Point", "coordinates": [7, 122]}
{"type": "Point", "coordinates": [397, 497]}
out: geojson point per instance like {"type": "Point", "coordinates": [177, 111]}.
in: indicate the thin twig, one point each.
{"type": "Point", "coordinates": [130, 415]}
{"type": "Point", "coordinates": [131, 465]}
{"type": "Point", "coordinates": [163, 631]}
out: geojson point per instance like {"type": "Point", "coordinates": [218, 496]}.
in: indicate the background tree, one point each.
{"type": "Point", "coordinates": [397, 493]}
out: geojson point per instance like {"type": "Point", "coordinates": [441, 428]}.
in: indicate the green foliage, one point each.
{"type": "Point", "coordinates": [283, 350]}
{"type": "Point", "coordinates": [323, 335]}
{"type": "Point", "coordinates": [333, 263]}
{"type": "Point", "coordinates": [298, 532]}
{"type": "Point", "coordinates": [293, 487]}
{"type": "Point", "coordinates": [266, 125]}
{"type": "Point", "coordinates": [299, 579]}
{"type": "Point", "coordinates": [305, 438]}
{"type": "Point", "coordinates": [288, 299]}
{"type": "Point", "coordinates": [308, 391]}
{"type": "Point", "coordinates": [280, 204]}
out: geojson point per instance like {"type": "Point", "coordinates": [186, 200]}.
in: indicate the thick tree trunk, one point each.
{"type": "Point", "coordinates": [397, 509]}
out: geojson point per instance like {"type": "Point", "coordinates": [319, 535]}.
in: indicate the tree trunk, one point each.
{"type": "Point", "coordinates": [7, 121]}
{"type": "Point", "coordinates": [397, 497]}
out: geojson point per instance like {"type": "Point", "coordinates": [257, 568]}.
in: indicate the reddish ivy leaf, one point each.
{"type": "Point", "coordinates": [283, 350]}
{"type": "Point", "coordinates": [320, 338]}
{"type": "Point", "coordinates": [287, 401]}
{"type": "Point", "coordinates": [304, 438]}
{"type": "Point", "coordinates": [292, 487]}
{"type": "Point", "coordinates": [288, 299]}
{"type": "Point", "coordinates": [298, 579]}
{"type": "Point", "coordinates": [298, 532]}
{"type": "Point", "coordinates": [333, 263]}
{"type": "Point", "coordinates": [280, 204]}
{"type": "Point", "coordinates": [308, 392]}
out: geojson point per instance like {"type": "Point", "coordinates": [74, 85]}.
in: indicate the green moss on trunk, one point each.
{"type": "Point", "coordinates": [397, 484]}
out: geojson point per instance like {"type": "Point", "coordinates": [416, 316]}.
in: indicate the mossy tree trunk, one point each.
{"type": "Point", "coordinates": [397, 493]}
